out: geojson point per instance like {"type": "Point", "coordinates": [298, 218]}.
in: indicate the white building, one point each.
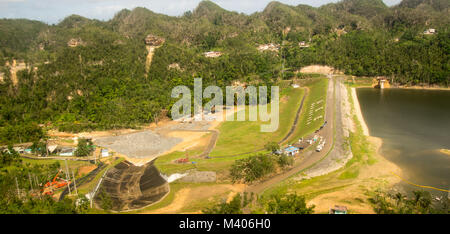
{"type": "Point", "coordinates": [429, 31]}
{"type": "Point", "coordinates": [104, 153]}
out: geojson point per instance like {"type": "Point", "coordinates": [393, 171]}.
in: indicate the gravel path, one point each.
{"type": "Point", "coordinates": [140, 144]}
{"type": "Point", "coordinates": [148, 143]}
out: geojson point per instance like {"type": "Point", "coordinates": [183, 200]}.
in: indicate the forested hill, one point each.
{"type": "Point", "coordinates": [87, 74]}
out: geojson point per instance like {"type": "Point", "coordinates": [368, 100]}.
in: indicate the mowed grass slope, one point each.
{"type": "Point", "coordinates": [238, 137]}
{"type": "Point", "coordinates": [241, 137]}
{"type": "Point", "coordinates": [317, 92]}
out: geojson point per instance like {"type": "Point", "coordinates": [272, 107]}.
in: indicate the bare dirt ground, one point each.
{"type": "Point", "coordinates": [188, 196]}
{"type": "Point", "coordinates": [353, 193]}
{"type": "Point", "coordinates": [445, 151]}
{"type": "Point", "coordinates": [140, 146]}
{"type": "Point", "coordinates": [318, 69]}
{"type": "Point", "coordinates": [84, 170]}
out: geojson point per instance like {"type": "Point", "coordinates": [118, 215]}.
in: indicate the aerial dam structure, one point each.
{"type": "Point", "coordinates": [381, 83]}
{"type": "Point", "coordinates": [132, 187]}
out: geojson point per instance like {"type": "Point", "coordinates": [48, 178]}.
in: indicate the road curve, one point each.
{"type": "Point", "coordinates": [310, 158]}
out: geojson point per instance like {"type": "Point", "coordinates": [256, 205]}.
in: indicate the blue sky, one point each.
{"type": "Point", "coordinates": [52, 11]}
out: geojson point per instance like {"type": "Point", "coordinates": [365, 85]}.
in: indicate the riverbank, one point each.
{"type": "Point", "coordinates": [421, 87]}
{"type": "Point", "coordinates": [366, 172]}
{"type": "Point", "coordinates": [445, 151]}
{"type": "Point", "coordinates": [358, 112]}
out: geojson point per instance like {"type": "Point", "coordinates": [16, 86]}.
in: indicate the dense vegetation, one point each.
{"type": "Point", "coordinates": [256, 167]}
{"type": "Point", "coordinates": [19, 188]}
{"type": "Point", "coordinates": [102, 83]}
{"type": "Point", "coordinates": [418, 202]}
{"type": "Point", "coordinates": [275, 204]}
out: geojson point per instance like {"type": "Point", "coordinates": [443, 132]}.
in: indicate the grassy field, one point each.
{"type": "Point", "coordinates": [73, 165]}
{"type": "Point", "coordinates": [236, 137]}
{"type": "Point", "coordinates": [358, 81]}
{"type": "Point", "coordinates": [314, 107]}
{"type": "Point", "coordinates": [245, 136]}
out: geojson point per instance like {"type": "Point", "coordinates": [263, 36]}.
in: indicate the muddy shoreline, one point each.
{"type": "Point", "coordinates": [358, 113]}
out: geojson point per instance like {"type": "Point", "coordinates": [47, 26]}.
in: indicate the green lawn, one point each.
{"type": "Point", "coordinates": [317, 91]}
{"type": "Point", "coordinates": [73, 165]}
{"type": "Point", "coordinates": [245, 136]}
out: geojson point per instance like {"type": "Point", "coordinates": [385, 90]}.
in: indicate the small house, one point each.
{"type": "Point", "coordinates": [291, 150]}
{"type": "Point", "coordinates": [67, 152]}
{"type": "Point", "coordinates": [278, 152]}
{"type": "Point", "coordinates": [104, 153]}
{"type": "Point", "coordinates": [381, 82]}
{"type": "Point", "coordinates": [303, 44]}
{"type": "Point", "coordinates": [19, 150]}
{"type": "Point", "coordinates": [429, 31]}
{"type": "Point", "coordinates": [74, 42]}
{"type": "Point", "coordinates": [212, 54]}
{"type": "Point", "coordinates": [152, 40]}
{"type": "Point", "coordinates": [270, 47]}
{"type": "Point", "coordinates": [301, 145]}
{"type": "Point", "coordinates": [338, 210]}
{"type": "Point", "coordinates": [51, 149]}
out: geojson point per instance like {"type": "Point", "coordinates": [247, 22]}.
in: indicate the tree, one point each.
{"type": "Point", "coordinates": [39, 148]}
{"type": "Point", "coordinates": [284, 160]}
{"type": "Point", "coordinates": [272, 146]}
{"type": "Point", "coordinates": [252, 168]}
{"type": "Point", "coordinates": [105, 200]}
{"type": "Point", "coordinates": [419, 203]}
{"type": "Point", "coordinates": [233, 207]}
{"type": "Point", "coordinates": [9, 157]}
{"type": "Point", "coordinates": [288, 204]}
{"type": "Point", "coordinates": [84, 147]}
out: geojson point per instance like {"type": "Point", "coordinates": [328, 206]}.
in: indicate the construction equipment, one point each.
{"type": "Point", "coordinates": [55, 184]}
{"type": "Point", "coordinates": [183, 160]}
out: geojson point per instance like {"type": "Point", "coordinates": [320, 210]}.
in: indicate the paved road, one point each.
{"type": "Point", "coordinates": [341, 153]}
{"type": "Point", "coordinates": [309, 157]}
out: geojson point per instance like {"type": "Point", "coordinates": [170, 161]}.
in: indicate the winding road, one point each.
{"type": "Point", "coordinates": [288, 135]}
{"type": "Point", "coordinates": [310, 158]}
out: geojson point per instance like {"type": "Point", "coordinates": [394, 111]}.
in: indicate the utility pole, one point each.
{"type": "Point", "coordinates": [36, 181]}
{"type": "Point", "coordinates": [74, 183]}
{"type": "Point", "coordinates": [17, 186]}
{"type": "Point", "coordinates": [31, 182]}
{"type": "Point", "coordinates": [37, 185]}
{"type": "Point", "coordinates": [67, 176]}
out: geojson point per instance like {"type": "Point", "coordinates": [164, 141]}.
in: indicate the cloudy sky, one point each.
{"type": "Point", "coordinates": [53, 11]}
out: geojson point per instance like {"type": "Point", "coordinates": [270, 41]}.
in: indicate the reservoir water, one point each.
{"type": "Point", "coordinates": [414, 125]}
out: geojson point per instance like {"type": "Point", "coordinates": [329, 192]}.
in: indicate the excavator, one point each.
{"type": "Point", "coordinates": [55, 184]}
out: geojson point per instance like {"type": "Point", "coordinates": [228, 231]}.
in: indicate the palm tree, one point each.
{"type": "Point", "coordinates": [399, 197]}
